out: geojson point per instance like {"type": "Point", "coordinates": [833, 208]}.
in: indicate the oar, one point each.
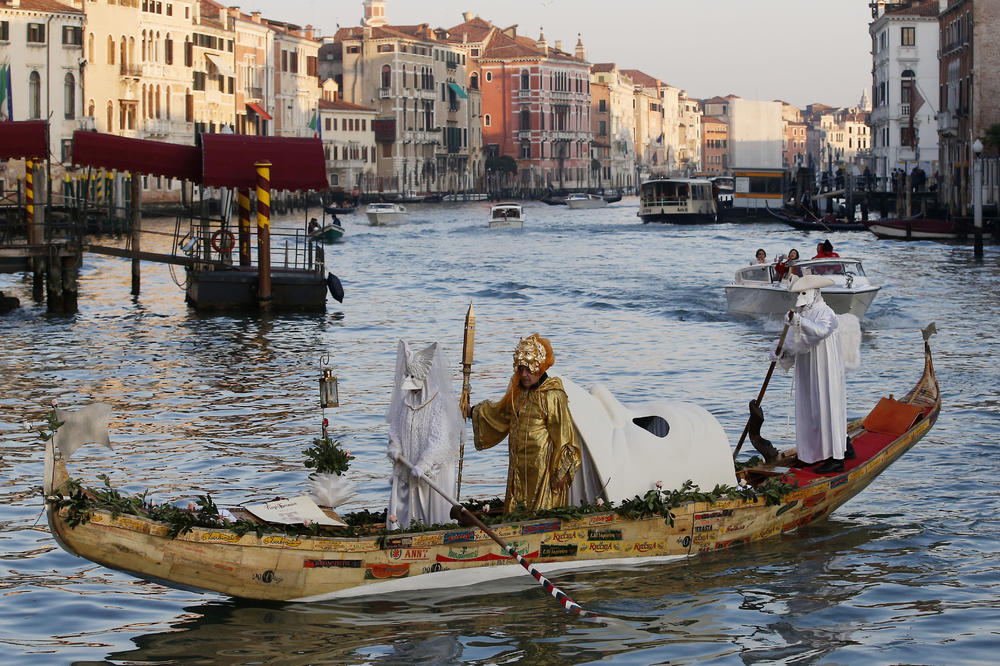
{"type": "Point", "coordinates": [767, 379]}
{"type": "Point", "coordinates": [560, 596]}
{"type": "Point", "coordinates": [468, 346]}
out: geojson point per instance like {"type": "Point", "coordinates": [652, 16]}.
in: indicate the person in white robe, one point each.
{"type": "Point", "coordinates": [813, 345]}
{"type": "Point", "coordinates": [426, 428]}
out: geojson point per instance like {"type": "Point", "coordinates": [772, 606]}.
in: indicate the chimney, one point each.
{"type": "Point", "coordinates": [468, 16]}
{"type": "Point", "coordinates": [558, 45]}
{"type": "Point", "coordinates": [255, 17]}
{"type": "Point", "coordinates": [580, 52]}
{"type": "Point", "coordinates": [14, 4]}
{"type": "Point", "coordinates": [541, 43]}
{"type": "Point", "coordinates": [465, 38]}
{"type": "Point", "coordinates": [309, 32]}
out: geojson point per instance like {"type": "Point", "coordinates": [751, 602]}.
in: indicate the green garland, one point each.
{"type": "Point", "coordinates": [326, 456]}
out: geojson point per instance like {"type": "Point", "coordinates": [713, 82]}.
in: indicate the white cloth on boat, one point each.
{"type": "Point", "coordinates": [426, 428]}
{"type": "Point", "coordinates": [626, 450]}
{"type": "Point", "coordinates": [84, 426]}
{"type": "Point", "coordinates": [813, 345]}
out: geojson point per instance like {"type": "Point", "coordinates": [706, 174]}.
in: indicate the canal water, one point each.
{"type": "Point", "coordinates": [907, 572]}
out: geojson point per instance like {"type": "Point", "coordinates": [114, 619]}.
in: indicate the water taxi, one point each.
{"type": "Point", "coordinates": [506, 216]}
{"type": "Point", "coordinates": [762, 289]}
{"type": "Point", "coordinates": [386, 214]}
{"type": "Point", "coordinates": [581, 200]}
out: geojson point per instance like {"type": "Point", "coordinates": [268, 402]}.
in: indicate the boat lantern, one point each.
{"type": "Point", "coordinates": [329, 396]}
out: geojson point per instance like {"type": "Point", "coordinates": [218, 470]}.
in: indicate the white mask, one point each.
{"type": "Point", "coordinates": [806, 298]}
{"type": "Point", "coordinates": [418, 367]}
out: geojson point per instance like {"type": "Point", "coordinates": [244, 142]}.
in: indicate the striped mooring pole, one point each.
{"type": "Point", "coordinates": [29, 194]}
{"type": "Point", "coordinates": [243, 202]}
{"type": "Point", "coordinates": [263, 234]}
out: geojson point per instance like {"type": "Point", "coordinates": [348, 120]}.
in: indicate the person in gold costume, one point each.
{"type": "Point", "coordinates": [534, 418]}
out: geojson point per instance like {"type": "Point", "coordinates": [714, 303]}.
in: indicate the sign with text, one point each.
{"type": "Point", "coordinates": [293, 511]}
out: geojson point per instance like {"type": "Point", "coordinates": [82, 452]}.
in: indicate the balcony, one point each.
{"type": "Point", "coordinates": [255, 93]}
{"type": "Point", "coordinates": [384, 93]}
{"type": "Point", "coordinates": [947, 123]}
{"type": "Point", "coordinates": [452, 64]}
{"type": "Point", "coordinates": [904, 110]}
{"type": "Point", "coordinates": [131, 71]}
{"type": "Point", "coordinates": [454, 106]}
{"type": "Point", "coordinates": [158, 127]}
{"type": "Point", "coordinates": [523, 135]}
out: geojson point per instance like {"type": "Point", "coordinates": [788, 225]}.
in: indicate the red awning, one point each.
{"type": "Point", "coordinates": [296, 163]}
{"type": "Point", "coordinates": [259, 111]}
{"type": "Point", "coordinates": [156, 158]}
{"type": "Point", "coordinates": [24, 138]}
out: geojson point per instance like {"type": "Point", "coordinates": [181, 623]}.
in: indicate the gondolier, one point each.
{"type": "Point", "coordinates": [814, 347]}
{"type": "Point", "coordinates": [534, 417]}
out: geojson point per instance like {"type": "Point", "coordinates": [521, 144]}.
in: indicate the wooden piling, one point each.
{"type": "Point", "coordinates": [263, 234]}
{"type": "Point", "coordinates": [136, 197]}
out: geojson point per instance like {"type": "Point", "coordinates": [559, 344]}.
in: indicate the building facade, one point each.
{"type": "Point", "coordinates": [715, 146]}
{"type": "Point", "coordinates": [904, 81]}
{"type": "Point", "coordinates": [348, 133]}
{"type": "Point", "coordinates": [615, 123]}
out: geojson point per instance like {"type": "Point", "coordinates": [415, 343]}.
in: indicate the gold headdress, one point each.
{"type": "Point", "coordinates": [534, 353]}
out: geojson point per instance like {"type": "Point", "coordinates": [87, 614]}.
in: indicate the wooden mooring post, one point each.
{"type": "Point", "coordinates": [263, 235]}
{"type": "Point", "coordinates": [136, 201]}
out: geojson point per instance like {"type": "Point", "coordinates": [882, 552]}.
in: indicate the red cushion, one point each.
{"type": "Point", "coordinates": [892, 417]}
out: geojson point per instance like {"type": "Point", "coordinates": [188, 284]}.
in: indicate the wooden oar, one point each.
{"type": "Point", "coordinates": [560, 596]}
{"type": "Point", "coordinates": [767, 379]}
{"type": "Point", "coordinates": [468, 347]}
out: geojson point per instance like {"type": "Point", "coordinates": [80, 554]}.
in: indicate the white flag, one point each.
{"type": "Point", "coordinates": [87, 425]}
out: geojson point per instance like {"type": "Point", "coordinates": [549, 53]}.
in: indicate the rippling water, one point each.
{"type": "Point", "coordinates": [907, 572]}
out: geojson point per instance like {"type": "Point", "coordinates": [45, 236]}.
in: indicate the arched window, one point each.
{"type": "Point", "coordinates": [111, 117]}
{"type": "Point", "coordinates": [34, 96]}
{"type": "Point", "coordinates": [168, 102]}
{"type": "Point", "coordinates": [487, 120]}
{"type": "Point", "coordinates": [386, 76]}
{"type": "Point", "coordinates": [489, 76]}
{"type": "Point", "coordinates": [157, 101]}
{"type": "Point", "coordinates": [474, 81]}
{"type": "Point", "coordinates": [69, 96]}
{"type": "Point", "coordinates": [144, 46]}
{"type": "Point", "coordinates": [525, 80]}
{"type": "Point", "coordinates": [90, 108]}
{"type": "Point", "coordinates": [111, 50]}
{"type": "Point", "coordinates": [90, 47]}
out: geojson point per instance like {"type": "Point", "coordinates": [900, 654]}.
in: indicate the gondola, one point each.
{"type": "Point", "coordinates": [819, 224]}
{"type": "Point", "coordinates": [274, 562]}
{"type": "Point", "coordinates": [339, 210]}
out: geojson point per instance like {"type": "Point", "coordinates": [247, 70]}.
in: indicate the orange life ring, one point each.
{"type": "Point", "coordinates": [228, 241]}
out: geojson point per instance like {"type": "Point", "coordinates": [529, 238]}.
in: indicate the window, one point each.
{"type": "Point", "coordinates": [474, 81]}
{"type": "Point", "coordinates": [386, 76]}
{"type": "Point", "coordinates": [602, 105]}
{"type": "Point", "coordinates": [168, 50]}
{"type": "Point", "coordinates": [487, 121]}
{"type": "Point", "coordinates": [4, 31]}
{"type": "Point", "coordinates": [69, 97]}
{"type": "Point", "coordinates": [72, 35]}
{"type": "Point", "coordinates": [525, 150]}
{"type": "Point", "coordinates": [908, 36]}
{"type": "Point", "coordinates": [489, 76]}
{"type": "Point", "coordinates": [525, 80]}
{"type": "Point", "coordinates": [34, 96]}
{"type": "Point", "coordinates": [525, 119]}
{"type": "Point", "coordinates": [354, 49]}
{"type": "Point", "coordinates": [199, 81]}
{"type": "Point", "coordinates": [36, 33]}
{"type": "Point", "coordinates": [603, 128]}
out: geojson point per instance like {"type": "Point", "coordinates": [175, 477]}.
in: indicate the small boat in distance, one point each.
{"type": "Point", "coordinates": [330, 232]}
{"type": "Point", "coordinates": [759, 289]}
{"type": "Point", "coordinates": [826, 223]}
{"type": "Point", "coordinates": [917, 229]}
{"type": "Point", "coordinates": [386, 214]}
{"type": "Point", "coordinates": [506, 216]}
{"type": "Point", "coordinates": [581, 200]}
{"type": "Point", "coordinates": [677, 200]}
{"type": "Point", "coordinates": [339, 209]}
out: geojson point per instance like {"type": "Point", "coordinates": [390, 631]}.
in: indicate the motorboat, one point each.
{"type": "Point", "coordinates": [507, 216]}
{"type": "Point", "coordinates": [386, 214]}
{"type": "Point", "coordinates": [331, 232]}
{"type": "Point", "coordinates": [762, 289]}
{"type": "Point", "coordinates": [677, 200]}
{"type": "Point", "coordinates": [634, 455]}
{"type": "Point", "coordinates": [581, 200]}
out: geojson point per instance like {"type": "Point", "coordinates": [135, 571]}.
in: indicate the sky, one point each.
{"type": "Point", "coordinates": [799, 51]}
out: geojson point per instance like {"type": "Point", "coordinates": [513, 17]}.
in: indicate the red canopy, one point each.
{"type": "Point", "coordinates": [296, 163]}
{"type": "Point", "coordinates": [24, 138]}
{"type": "Point", "coordinates": [157, 158]}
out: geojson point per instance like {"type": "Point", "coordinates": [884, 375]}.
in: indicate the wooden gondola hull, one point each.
{"type": "Point", "coordinates": [297, 568]}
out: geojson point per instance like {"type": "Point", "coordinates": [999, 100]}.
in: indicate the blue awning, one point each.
{"type": "Point", "coordinates": [458, 90]}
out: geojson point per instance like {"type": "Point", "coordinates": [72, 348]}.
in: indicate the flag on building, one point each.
{"type": "Point", "coordinates": [314, 125]}
{"type": "Point", "coordinates": [6, 99]}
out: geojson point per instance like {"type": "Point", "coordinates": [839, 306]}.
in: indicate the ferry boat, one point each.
{"type": "Point", "coordinates": [677, 200]}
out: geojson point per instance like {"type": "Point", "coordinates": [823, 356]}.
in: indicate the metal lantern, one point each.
{"type": "Point", "coordinates": [328, 395]}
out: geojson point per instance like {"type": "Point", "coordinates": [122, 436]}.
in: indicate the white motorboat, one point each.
{"type": "Point", "coordinates": [677, 200]}
{"type": "Point", "coordinates": [386, 214]}
{"type": "Point", "coordinates": [507, 216]}
{"type": "Point", "coordinates": [583, 200]}
{"type": "Point", "coordinates": [760, 289]}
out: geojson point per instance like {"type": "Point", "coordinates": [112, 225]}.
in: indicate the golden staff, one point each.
{"type": "Point", "coordinates": [468, 344]}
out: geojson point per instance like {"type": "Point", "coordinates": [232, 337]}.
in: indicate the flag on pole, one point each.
{"type": "Point", "coordinates": [314, 125]}
{"type": "Point", "coordinates": [6, 100]}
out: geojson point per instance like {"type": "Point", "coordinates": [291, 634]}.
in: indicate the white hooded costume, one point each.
{"type": "Point", "coordinates": [813, 344]}
{"type": "Point", "coordinates": [426, 428]}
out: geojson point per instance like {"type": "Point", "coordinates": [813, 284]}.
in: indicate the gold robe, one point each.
{"type": "Point", "coordinates": [543, 447]}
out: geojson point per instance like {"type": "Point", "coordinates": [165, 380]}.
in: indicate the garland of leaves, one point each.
{"type": "Point", "coordinates": [326, 456]}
